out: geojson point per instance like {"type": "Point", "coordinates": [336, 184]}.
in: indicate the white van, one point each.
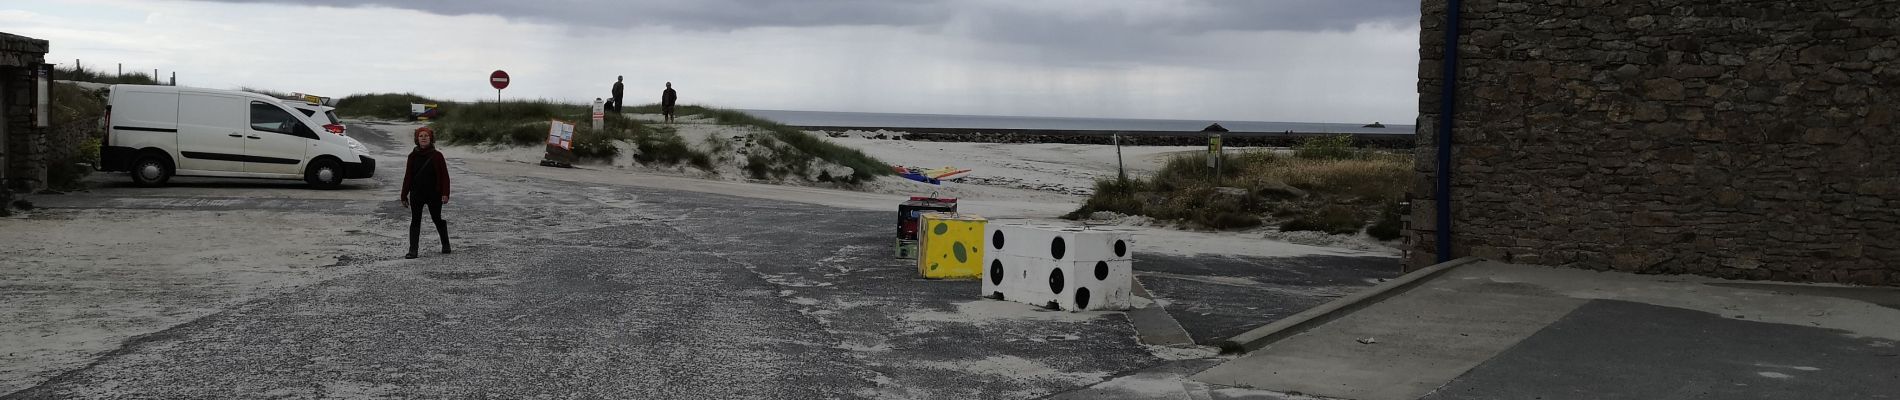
{"type": "Point", "coordinates": [160, 131]}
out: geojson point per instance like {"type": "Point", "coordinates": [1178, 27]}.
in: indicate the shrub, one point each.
{"type": "Point", "coordinates": [1114, 196]}
{"type": "Point", "coordinates": [1388, 227]}
{"type": "Point", "coordinates": [1334, 219]}
{"type": "Point", "coordinates": [664, 147]}
{"type": "Point", "coordinates": [760, 167]}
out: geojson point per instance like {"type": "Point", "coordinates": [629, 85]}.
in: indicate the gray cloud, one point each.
{"type": "Point", "coordinates": [1297, 15]}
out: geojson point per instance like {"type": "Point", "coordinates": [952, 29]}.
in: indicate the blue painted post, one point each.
{"type": "Point", "coordinates": [1447, 101]}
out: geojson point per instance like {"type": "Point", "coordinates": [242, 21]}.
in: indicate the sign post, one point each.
{"type": "Point", "coordinates": [1121, 171]}
{"type": "Point", "coordinates": [600, 113]}
{"type": "Point", "coordinates": [1213, 149]}
{"type": "Point", "coordinates": [498, 79]}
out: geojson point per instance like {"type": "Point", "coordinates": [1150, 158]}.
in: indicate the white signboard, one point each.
{"type": "Point", "coordinates": [561, 134]}
{"type": "Point", "coordinates": [600, 113]}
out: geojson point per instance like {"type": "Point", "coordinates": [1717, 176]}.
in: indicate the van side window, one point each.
{"type": "Point", "coordinates": [270, 118]}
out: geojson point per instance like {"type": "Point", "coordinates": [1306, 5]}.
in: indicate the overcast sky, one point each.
{"type": "Point", "coordinates": [1271, 60]}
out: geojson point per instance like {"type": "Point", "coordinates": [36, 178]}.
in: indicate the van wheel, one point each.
{"type": "Point", "coordinates": [324, 173]}
{"type": "Point", "coordinates": [151, 171]}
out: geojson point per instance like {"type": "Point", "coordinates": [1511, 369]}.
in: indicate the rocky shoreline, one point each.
{"type": "Point", "coordinates": [1132, 138]}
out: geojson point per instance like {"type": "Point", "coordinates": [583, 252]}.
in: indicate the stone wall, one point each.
{"type": "Point", "coordinates": [25, 158]}
{"type": "Point", "coordinates": [1730, 138]}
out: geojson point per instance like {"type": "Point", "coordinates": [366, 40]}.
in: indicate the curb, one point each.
{"type": "Point", "coordinates": [1316, 316]}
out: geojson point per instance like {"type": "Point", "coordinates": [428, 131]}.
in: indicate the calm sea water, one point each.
{"type": "Point", "coordinates": [882, 120]}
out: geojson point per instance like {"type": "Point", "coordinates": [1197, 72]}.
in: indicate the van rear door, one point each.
{"type": "Point", "coordinates": [141, 118]}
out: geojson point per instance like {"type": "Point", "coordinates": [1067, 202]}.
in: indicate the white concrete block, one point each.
{"type": "Point", "coordinates": [1097, 285]}
{"type": "Point", "coordinates": [1020, 279]}
{"type": "Point", "coordinates": [1061, 243]}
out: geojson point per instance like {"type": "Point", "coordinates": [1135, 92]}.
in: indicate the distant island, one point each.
{"type": "Point", "coordinates": [1374, 125]}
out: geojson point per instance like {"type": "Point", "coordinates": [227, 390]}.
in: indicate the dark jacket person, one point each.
{"type": "Point", "coordinates": [620, 90]}
{"type": "Point", "coordinates": [425, 183]}
{"type": "Point", "coordinates": [667, 98]}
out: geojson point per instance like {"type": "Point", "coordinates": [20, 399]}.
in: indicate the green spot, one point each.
{"type": "Point", "coordinates": [933, 266]}
{"type": "Point", "coordinates": [942, 228]}
{"type": "Point", "coordinates": [957, 249]}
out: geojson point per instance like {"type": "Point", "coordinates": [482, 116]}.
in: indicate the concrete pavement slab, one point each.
{"type": "Point", "coordinates": [1611, 349]}
{"type": "Point", "coordinates": [1217, 297]}
{"type": "Point", "coordinates": [1421, 339]}
{"type": "Point", "coordinates": [1480, 314]}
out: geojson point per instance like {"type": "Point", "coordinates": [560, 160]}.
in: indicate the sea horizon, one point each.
{"type": "Point", "coordinates": [960, 121]}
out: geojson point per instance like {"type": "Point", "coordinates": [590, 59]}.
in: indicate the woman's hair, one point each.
{"type": "Point", "coordinates": [418, 136]}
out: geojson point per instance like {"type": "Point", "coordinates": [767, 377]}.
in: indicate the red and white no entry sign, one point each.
{"type": "Point", "coordinates": [498, 79]}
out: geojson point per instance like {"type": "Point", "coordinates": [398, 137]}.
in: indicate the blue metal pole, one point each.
{"type": "Point", "coordinates": [1447, 101]}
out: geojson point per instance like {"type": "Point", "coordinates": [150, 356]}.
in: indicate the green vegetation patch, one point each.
{"type": "Point", "coordinates": [1320, 189]}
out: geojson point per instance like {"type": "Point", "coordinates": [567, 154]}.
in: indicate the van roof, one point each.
{"type": "Point", "coordinates": [179, 89]}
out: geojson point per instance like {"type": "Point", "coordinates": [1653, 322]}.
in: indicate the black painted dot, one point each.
{"type": "Point", "coordinates": [996, 239]}
{"type": "Point", "coordinates": [1121, 248]}
{"type": "Point", "coordinates": [1082, 298]}
{"type": "Point", "coordinates": [996, 272]}
{"type": "Point", "coordinates": [942, 228]}
{"type": "Point", "coordinates": [1056, 248]}
{"type": "Point", "coordinates": [1101, 270]}
{"type": "Point", "coordinates": [1055, 281]}
{"type": "Point", "coordinates": [956, 249]}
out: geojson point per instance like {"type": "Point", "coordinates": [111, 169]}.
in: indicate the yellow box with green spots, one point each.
{"type": "Point", "coordinates": [950, 246]}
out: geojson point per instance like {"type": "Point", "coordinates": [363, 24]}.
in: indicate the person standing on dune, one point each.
{"type": "Point", "coordinates": [667, 98]}
{"type": "Point", "coordinates": [620, 98]}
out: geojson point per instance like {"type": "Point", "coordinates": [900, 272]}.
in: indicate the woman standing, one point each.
{"type": "Point", "coordinates": [426, 176]}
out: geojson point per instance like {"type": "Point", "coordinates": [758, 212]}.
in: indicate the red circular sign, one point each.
{"type": "Point", "coordinates": [498, 79]}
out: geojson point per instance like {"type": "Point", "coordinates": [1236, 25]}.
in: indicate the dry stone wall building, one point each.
{"type": "Point", "coordinates": [22, 140]}
{"type": "Point", "coordinates": [1731, 138]}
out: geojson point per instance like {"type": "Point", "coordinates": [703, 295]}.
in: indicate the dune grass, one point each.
{"type": "Point", "coordinates": [83, 74]}
{"type": "Point", "coordinates": [379, 105]}
{"type": "Point", "coordinates": [793, 148]}
{"type": "Point", "coordinates": [1324, 189]}
{"type": "Point", "coordinates": [525, 122]}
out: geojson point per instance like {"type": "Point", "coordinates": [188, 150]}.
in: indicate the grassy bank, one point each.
{"type": "Point", "coordinates": [1321, 186]}
{"type": "Point", "coordinates": [773, 151]}
{"type": "Point", "coordinates": [525, 123]}
{"type": "Point", "coordinates": [73, 140]}
{"type": "Point", "coordinates": [378, 105]}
